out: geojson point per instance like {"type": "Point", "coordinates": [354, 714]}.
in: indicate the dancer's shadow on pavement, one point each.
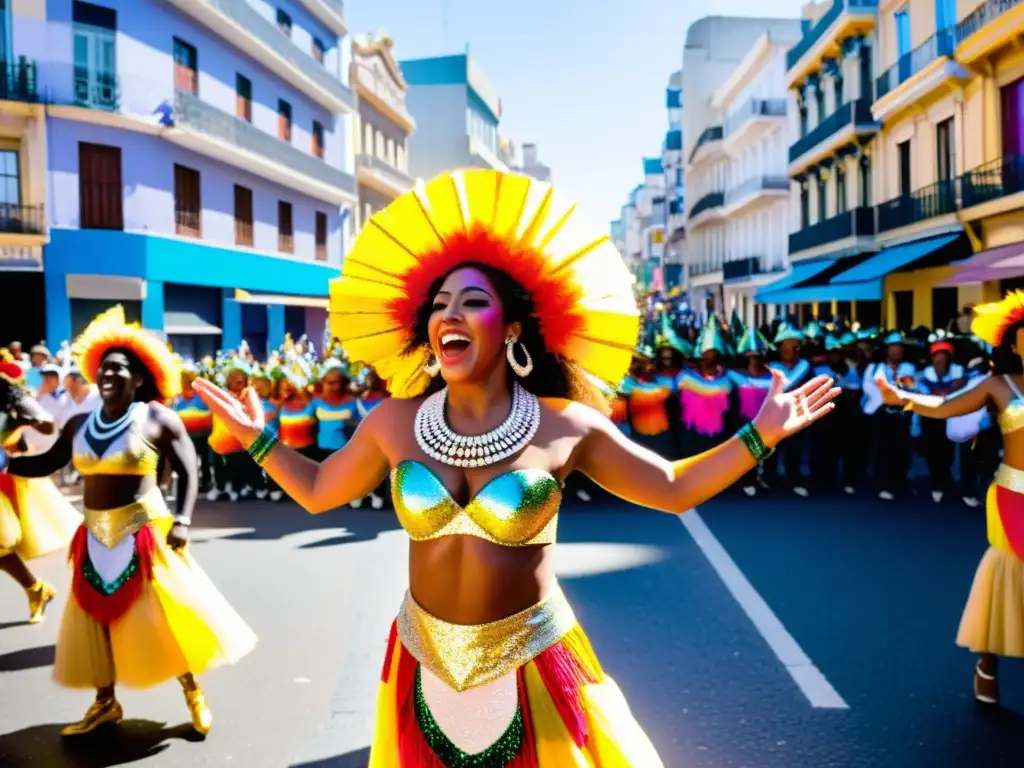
{"type": "Point", "coordinates": [129, 742]}
{"type": "Point", "coordinates": [267, 522]}
{"type": "Point", "coordinates": [358, 759]}
{"type": "Point", "coordinates": [28, 658]}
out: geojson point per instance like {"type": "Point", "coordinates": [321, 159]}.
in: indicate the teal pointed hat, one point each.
{"type": "Point", "coordinates": [787, 332]}
{"type": "Point", "coordinates": [848, 339]}
{"type": "Point", "coordinates": [812, 331]}
{"type": "Point", "coordinates": [753, 342]}
{"type": "Point", "coordinates": [712, 338]}
{"type": "Point", "coordinates": [735, 326]}
{"type": "Point", "coordinates": [832, 343]}
{"type": "Point", "coordinates": [667, 337]}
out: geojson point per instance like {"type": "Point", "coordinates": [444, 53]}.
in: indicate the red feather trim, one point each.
{"type": "Point", "coordinates": [564, 673]}
{"type": "Point", "coordinates": [385, 673]}
{"type": "Point", "coordinates": [7, 489]}
{"type": "Point", "coordinates": [106, 609]}
{"type": "Point", "coordinates": [554, 299]}
{"type": "Point", "coordinates": [527, 757]}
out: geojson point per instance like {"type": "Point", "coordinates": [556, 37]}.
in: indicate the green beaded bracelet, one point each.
{"type": "Point", "coordinates": [262, 446]}
{"type": "Point", "coordinates": [751, 439]}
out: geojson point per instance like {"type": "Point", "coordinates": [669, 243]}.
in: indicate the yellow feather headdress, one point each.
{"type": "Point", "coordinates": [992, 321]}
{"type": "Point", "coordinates": [110, 331]}
{"type": "Point", "coordinates": [580, 287]}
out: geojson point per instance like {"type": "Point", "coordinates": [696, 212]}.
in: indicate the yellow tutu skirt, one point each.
{"type": "Point", "coordinates": [160, 618]}
{"type": "Point", "coordinates": [35, 517]}
{"type": "Point", "coordinates": [557, 710]}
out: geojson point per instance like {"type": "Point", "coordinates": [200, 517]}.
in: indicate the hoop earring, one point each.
{"type": "Point", "coordinates": [522, 371]}
{"type": "Point", "coordinates": [433, 367]}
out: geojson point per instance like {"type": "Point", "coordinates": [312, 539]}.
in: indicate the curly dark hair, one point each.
{"type": "Point", "coordinates": [147, 391]}
{"type": "Point", "coordinates": [1004, 359]}
{"type": "Point", "coordinates": [552, 375]}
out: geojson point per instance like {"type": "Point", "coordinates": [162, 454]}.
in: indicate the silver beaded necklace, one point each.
{"type": "Point", "coordinates": [437, 440]}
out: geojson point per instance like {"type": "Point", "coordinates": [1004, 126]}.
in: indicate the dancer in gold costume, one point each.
{"type": "Point", "coordinates": [487, 303]}
{"type": "Point", "coordinates": [141, 610]}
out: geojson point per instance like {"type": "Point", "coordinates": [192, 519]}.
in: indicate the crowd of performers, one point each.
{"type": "Point", "coordinates": [506, 322]}
{"type": "Point", "coordinates": [690, 389]}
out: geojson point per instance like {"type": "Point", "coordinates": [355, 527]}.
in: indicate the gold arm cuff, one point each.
{"type": "Point", "coordinates": [467, 656]}
{"type": "Point", "coordinates": [110, 526]}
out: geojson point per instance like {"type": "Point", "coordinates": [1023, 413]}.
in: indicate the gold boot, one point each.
{"type": "Point", "coordinates": [202, 717]}
{"type": "Point", "coordinates": [102, 712]}
{"type": "Point", "coordinates": [39, 596]}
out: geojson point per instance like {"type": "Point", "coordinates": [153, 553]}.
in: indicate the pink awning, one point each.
{"type": "Point", "coordinates": [1000, 263]}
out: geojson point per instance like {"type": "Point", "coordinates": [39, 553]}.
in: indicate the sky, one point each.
{"type": "Point", "coordinates": [582, 79]}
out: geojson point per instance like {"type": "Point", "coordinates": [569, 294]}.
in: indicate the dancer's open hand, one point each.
{"type": "Point", "coordinates": [890, 394]}
{"type": "Point", "coordinates": [242, 417]}
{"type": "Point", "coordinates": [786, 413]}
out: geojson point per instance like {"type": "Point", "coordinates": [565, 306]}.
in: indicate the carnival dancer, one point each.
{"type": "Point", "coordinates": [854, 432]}
{"type": "Point", "coordinates": [232, 471]}
{"type": "Point", "coordinates": [488, 281]}
{"type": "Point", "coordinates": [941, 378]}
{"type": "Point", "coordinates": [263, 384]}
{"type": "Point", "coordinates": [335, 408]}
{"type": "Point", "coordinates": [647, 397]}
{"type": "Point", "coordinates": [894, 450]}
{"type": "Point", "coordinates": [993, 621]}
{"type": "Point", "coordinates": [705, 392]}
{"type": "Point", "coordinates": [35, 518]}
{"type": "Point", "coordinates": [752, 385]}
{"type": "Point", "coordinates": [825, 440]}
{"type": "Point", "coordinates": [198, 423]}
{"type": "Point", "coordinates": [795, 371]}
{"type": "Point", "coordinates": [141, 611]}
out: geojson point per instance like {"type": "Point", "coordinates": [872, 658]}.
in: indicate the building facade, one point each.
{"type": "Point", "coordinates": [383, 128]}
{"type": "Point", "coordinates": [23, 163]}
{"type": "Point", "coordinates": [672, 164]}
{"type": "Point", "coordinates": [200, 166]}
{"type": "Point", "coordinates": [532, 166]}
{"type": "Point", "coordinates": [457, 114]}
{"type": "Point", "coordinates": [755, 139]}
{"type": "Point", "coordinates": [714, 48]}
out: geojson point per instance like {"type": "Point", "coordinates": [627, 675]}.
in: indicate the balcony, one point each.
{"type": "Point", "coordinates": [756, 189]}
{"type": "Point", "coordinates": [231, 140]}
{"type": "Point", "coordinates": [96, 90]}
{"type": "Point", "coordinates": [330, 13]}
{"type": "Point", "coordinates": [938, 199]}
{"type": "Point", "coordinates": [18, 80]}
{"type": "Point", "coordinates": [909, 64]}
{"type": "Point", "coordinates": [383, 176]}
{"type": "Point", "coordinates": [917, 74]}
{"type": "Point", "coordinates": [709, 202]}
{"type": "Point", "coordinates": [839, 128]}
{"type": "Point", "coordinates": [707, 137]}
{"type": "Point", "coordinates": [992, 181]}
{"type": "Point", "coordinates": [243, 26]}
{"type": "Point", "coordinates": [844, 18]}
{"type": "Point", "coordinates": [859, 222]}
{"type": "Point", "coordinates": [21, 219]}
{"type": "Point", "coordinates": [745, 269]}
{"type": "Point", "coordinates": [702, 269]}
{"type": "Point", "coordinates": [989, 27]}
{"type": "Point", "coordinates": [752, 110]}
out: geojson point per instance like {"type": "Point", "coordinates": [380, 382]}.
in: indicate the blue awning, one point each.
{"type": "Point", "coordinates": [893, 259]}
{"type": "Point", "coordinates": [800, 273]}
{"type": "Point", "coordinates": [866, 290]}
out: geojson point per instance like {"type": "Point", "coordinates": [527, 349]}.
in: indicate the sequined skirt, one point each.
{"type": "Point", "coordinates": [140, 613]}
{"type": "Point", "coordinates": [35, 517]}
{"type": "Point", "coordinates": [526, 691]}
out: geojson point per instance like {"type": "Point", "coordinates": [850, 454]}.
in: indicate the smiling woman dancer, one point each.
{"type": "Point", "coordinates": [141, 611]}
{"type": "Point", "coordinates": [993, 620]}
{"type": "Point", "coordinates": [489, 283]}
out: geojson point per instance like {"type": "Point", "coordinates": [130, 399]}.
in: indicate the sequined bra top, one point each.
{"type": "Point", "coordinates": [515, 509]}
{"type": "Point", "coordinates": [114, 448]}
{"type": "Point", "coordinates": [1011, 418]}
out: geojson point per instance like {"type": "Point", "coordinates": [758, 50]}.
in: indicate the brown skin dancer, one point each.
{"type": "Point", "coordinates": [466, 580]}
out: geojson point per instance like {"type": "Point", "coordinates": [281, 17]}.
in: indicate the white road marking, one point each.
{"type": "Point", "coordinates": [814, 685]}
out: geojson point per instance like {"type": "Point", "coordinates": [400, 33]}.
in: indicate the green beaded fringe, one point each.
{"type": "Point", "coordinates": [107, 588]}
{"type": "Point", "coordinates": [498, 755]}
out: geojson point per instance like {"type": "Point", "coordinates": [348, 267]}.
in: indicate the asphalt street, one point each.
{"type": "Point", "coordinates": [872, 594]}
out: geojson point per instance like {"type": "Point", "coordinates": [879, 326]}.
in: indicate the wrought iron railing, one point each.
{"type": "Point", "coordinates": [192, 112]}
{"type": "Point", "coordinates": [395, 176]}
{"type": "Point", "coordinates": [18, 219]}
{"type": "Point", "coordinates": [982, 15]}
{"type": "Point", "coordinates": [755, 185]}
{"type": "Point", "coordinates": [858, 221]}
{"type": "Point", "coordinates": [813, 35]}
{"type": "Point", "coordinates": [741, 269]}
{"type": "Point", "coordinates": [851, 113]}
{"type": "Point", "coordinates": [992, 180]}
{"type": "Point", "coordinates": [706, 203]}
{"type": "Point", "coordinates": [714, 133]}
{"type": "Point", "coordinates": [18, 80]}
{"type": "Point", "coordinates": [755, 108]}
{"type": "Point", "coordinates": [936, 199]}
{"type": "Point", "coordinates": [941, 43]}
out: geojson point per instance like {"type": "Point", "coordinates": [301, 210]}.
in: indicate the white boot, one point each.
{"type": "Point", "coordinates": [376, 501]}
{"type": "Point", "coordinates": [232, 496]}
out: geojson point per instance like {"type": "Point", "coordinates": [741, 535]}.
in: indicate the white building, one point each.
{"type": "Point", "coordinates": [755, 142]}
{"type": "Point", "coordinates": [457, 113]}
{"type": "Point", "coordinates": [715, 47]}
{"type": "Point", "coordinates": [672, 164]}
{"type": "Point", "coordinates": [532, 166]}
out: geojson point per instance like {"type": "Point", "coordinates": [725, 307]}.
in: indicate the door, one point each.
{"type": "Point", "coordinates": [945, 307]}
{"type": "Point", "coordinates": [904, 306]}
{"type": "Point", "coordinates": [95, 67]}
{"type": "Point", "coordinates": [100, 193]}
{"type": "Point", "coordinates": [904, 152]}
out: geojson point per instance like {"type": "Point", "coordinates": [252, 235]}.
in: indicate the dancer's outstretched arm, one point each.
{"type": "Point", "coordinates": [350, 473]}
{"type": "Point", "coordinates": [959, 403]}
{"type": "Point", "coordinates": [55, 459]}
{"type": "Point", "coordinates": [642, 477]}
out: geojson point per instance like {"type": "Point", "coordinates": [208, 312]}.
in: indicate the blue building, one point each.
{"type": "Point", "coordinates": [200, 170]}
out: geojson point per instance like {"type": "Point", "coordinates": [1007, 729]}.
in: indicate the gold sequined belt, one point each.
{"type": "Point", "coordinates": [1010, 478]}
{"type": "Point", "coordinates": [110, 526]}
{"type": "Point", "coordinates": [466, 656]}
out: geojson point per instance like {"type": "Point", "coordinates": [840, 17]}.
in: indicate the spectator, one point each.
{"type": "Point", "coordinates": [39, 356]}
{"type": "Point", "coordinates": [963, 322]}
{"type": "Point", "coordinates": [18, 354]}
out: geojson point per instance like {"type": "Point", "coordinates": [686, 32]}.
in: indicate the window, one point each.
{"type": "Point", "coordinates": [285, 235]}
{"type": "Point", "coordinates": [904, 305]}
{"type": "Point", "coordinates": [318, 140]}
{"type": "Point", "coordinates": [902, 20]}
{"type": "Point", "coordinates": [186, 77]}
{"type": "Point", "coordinates": [945, 307]}
{"type": "Point", "coordinates": [837, 89]}
{"type": "Point", "coordinates": [321, 236]}
{"type": "Point", "coordinates": [284, 22]}
{"type": "Point", "coordinates": [865, 182]}
{"type": "Point", "coordinates": [243, 216]}
{"type": "Point", "coordinates": [945, 145]}
{"type": "Point", "coordinates": [904, 155]}
{"type": "Point", "coordinates": [10, 183]}
{"type": "Point", "coordinates": [100, 194]}
{"type": "Point", "coordinates": [822, 198]}
{"type": "Point", "coordinates": [284, 120]}
{"type": "Point", "coordinates": [318, 50]}
{"type": "Point", "coordinates": [867, 82]}
{"type": "Point", "coordinates": [367, 139]}
{"type": "Point", "coordinates": [95, 34]}
{"type": "Point", "coordinates": [243, 98]}
{"type": "Point", "coordinates": [819, 99]}
{"type": "Point", "coordinates": [945, 15]}
{"type": "Point", "coordinates": [803, 119]}
{"type": "Point", "coordinates": [805, 206]}
{"type": "Point", "coordinates": [187, 203]}
{"type": "Point", "coordinates": [840, 190]}
{"type": "Point", "coordinates": [1012, 102]}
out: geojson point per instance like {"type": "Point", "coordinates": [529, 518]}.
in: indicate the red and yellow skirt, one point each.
{"type": "Point", "coordinates": [523, 692]}
{"type": "Point", "coordinates": [140, 613]}
{"type": "Point", "coordinates": [35, 517]}
{"type": "Point", "coordinates": [993, 621]}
